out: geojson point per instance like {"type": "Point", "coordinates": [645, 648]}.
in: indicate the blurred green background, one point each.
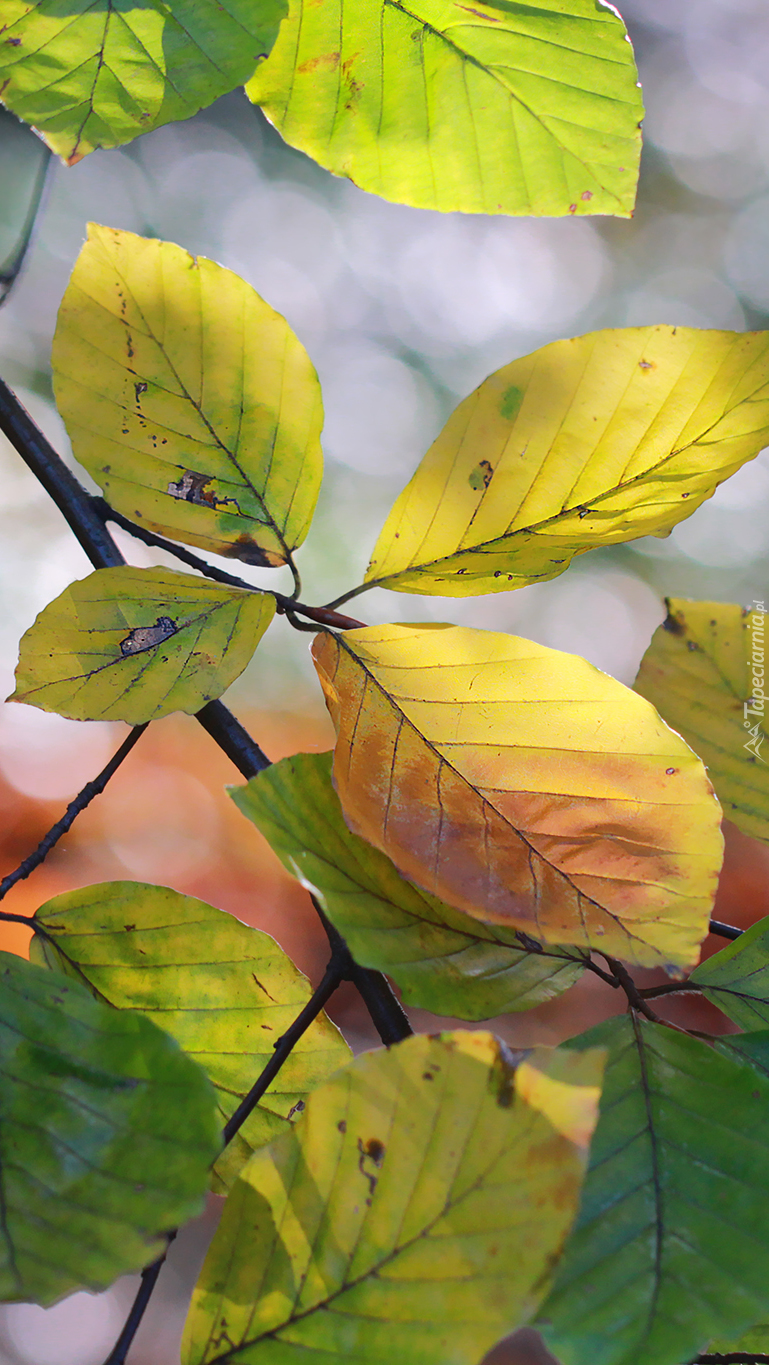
{"type": "Point", "coordinates": [403, 312]}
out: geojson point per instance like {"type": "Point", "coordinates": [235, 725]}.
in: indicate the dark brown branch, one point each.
{"type": "Point", "coordinates": [625, 980]}
{"type": "Point", "coordinates": [724, 930]}
{"type": "Point", "coordinates": [76, 805]}
{"type": "Point", "coordinates": [149, 1278]}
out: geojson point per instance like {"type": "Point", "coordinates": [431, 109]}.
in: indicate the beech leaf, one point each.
{"type": "Point", "coordinates": [135, 644]}
{"type": "Point", "coordinates": [224, 991]}
{"type": "Point", "coordinates": [736, 979]}
{"type": "Point", "coordinates": [500, 107]}
{"type": "Point", "coordinates": [671, 1246]}
{"type": "Point", "coordinates": [524, 787]}
{"type": "Point", "coordinates": [705, 672]}
{"type": "Point", "coordinates": [388, 1223]}
{"type": "Point", "coordinates": [188, 399]}
{"type": "Point", "coordinates": [443, 960]}
{"type": "Point", "coordinates": [97, 75]}
{"type": "Point", "coordinates": [106, 1137]}
{"type": "Point", "coordinates": [587, 442]}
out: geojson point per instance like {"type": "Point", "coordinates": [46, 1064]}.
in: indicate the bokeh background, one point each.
{"type": "Point", "coordinates": [403, 313]}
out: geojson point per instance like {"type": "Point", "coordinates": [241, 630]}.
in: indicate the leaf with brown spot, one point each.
{"type": "Point", "coordinates": [525, 787]}
{"type": "Point", "coordinates": [591, 441]}
{"type": "Point", "coordinates": [188, 399]}
{"type": "Point", "coordinates": [135, 644]}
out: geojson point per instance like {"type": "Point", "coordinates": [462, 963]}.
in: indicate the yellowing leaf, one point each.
{"type": "Point", "coordinates": [95, 75]}
{"type": "Point", "coordinates": [500, 107]}
{"type": "Point", "coordinates": [224, 991]}
{"type": "Point", "coordinates": [135, 644]}
{"type": "Point", "coordinates": [443, 960]}
{"type": "Point", "coordinates": [705, 671]}
{"type": "Point", "coordinates": [413, 1214]}
{"type": "Point", "coordinates": [586, 442]}
{"type": "Point", "coordinates": [106, 1138]}
{"type": "Point", "coordinates": [188, 398]}
{"type": "Point", "coordinates": [524, 787]}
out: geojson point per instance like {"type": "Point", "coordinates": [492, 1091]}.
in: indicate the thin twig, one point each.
{"type": "Point", "coordinates": [287, 605]}
{"type": "Point", "coordinates": [670, 988]}
{"type": "Point", "coordinates": [149, 1278]}
{"type": "Point", "coordinates": [724, 930]}
{"type": "Point", "coordinates": [76, 805]}
{"type": "Point", "coordinates": [625, 980]}
{"type": "Point", "coordinates": [332, 977]}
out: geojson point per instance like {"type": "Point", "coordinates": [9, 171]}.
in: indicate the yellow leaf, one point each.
{"type": "Point", "coordinates": [705, 671]}
{"type": "Point", "coordinates": [189, 399]}
{"type": "Point", "coordinates": [586, 442]}
{"type": "Point", "coordinates": [413, 1214]}
{"type": "Point", "coordinates": [491, 107]}
{"type": "Point", "coordinates": [135, 644]}
{"type": "Point", "coordinates": [524, 787]}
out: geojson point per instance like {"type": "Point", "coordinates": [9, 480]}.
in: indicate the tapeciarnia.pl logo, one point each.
{"type": "Point", "coordinates": [754, 706]}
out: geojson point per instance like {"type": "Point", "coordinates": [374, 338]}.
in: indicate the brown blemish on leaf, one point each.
{"type": "Point", "coordinates": [586, 194]}
{"type": "Point", "coordinates": [673, 625]}
{"type": "Point", "coordinates": [147, 637]}
{"type": "Point", "coordinates": [374, 1150]}
{"type": "Point", "coordinates": [13, 42]}
{"type": "Point", "coordinates": [490, 18]}
{"type": "Point", "coordinates": [193, 487]}
{"type": "Point", "coordinates": [329, 61]}
{"type": "Point", "coordinates": [295, 1109]}
{"type": "Point", "coordinates": [647, 365]}
{"type": "Point", "coordinates": [481, 476]}
{"type": "Point", "coordinates": [139, 388]}
{"type": "Point", "coordinates": [248, 552]}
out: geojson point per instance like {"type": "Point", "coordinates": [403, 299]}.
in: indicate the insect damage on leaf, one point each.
{"type": "Point", "coordinates": [145, 637]}
{"type": "Point", "coordinates": [193, 487]}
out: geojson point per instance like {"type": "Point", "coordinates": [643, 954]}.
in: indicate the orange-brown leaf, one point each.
{"type": "Point", "coordinates": [525, 787]}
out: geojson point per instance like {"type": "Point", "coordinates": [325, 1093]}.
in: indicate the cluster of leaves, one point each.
{"type": "Point", "coordinates": [500, 107]}
{"type": "Point", "coordinates": [496, 816]}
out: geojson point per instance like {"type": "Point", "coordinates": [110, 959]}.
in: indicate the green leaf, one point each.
{"type": "Point", "coordinates": [135, 644]}
{"type": "Point", "coordinates": [502, 107]}
{"type": "Point", "coordinates": [443, 960]}
{"type": "Point", "coordinates": [96, 75]}
{"type": "Point", "coordinates": [106, 1135]}
{"type": "Point", "coordinates": [189, 399]}
{"type": "Point", "coordinates": [754, 1342]}
{"type": "Point", "coordinates": [672, 1243]}
{"type": "Point", "coordinates": [700, 671]}
{"type": "Point", "coordinates": [736, 979]}
{"type": "Point", "coordinates": [224, 991]}
{"type": "Point", "coordinates": [389, 1224]}
{"type": "Point", "coordinates": [587, 442]}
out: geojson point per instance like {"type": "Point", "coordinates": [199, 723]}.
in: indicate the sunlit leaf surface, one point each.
{"type": "Point", "coordinates": [486, 108]}
{"type": "Point", "coordinates": [443, 961]}
{"type": "Point", "coordinates": [224, 991]}
{"type": "Point", "coordinates": [700, 672]}
{"type": "Point", "coordinates": [135, 644]}
{"type": "Point", "coordinates": [525, 787]}
{"type": "Point", "coordinates": [106, 1135]}
{"type": "Point", "coordinates": [189, 399]}
{"type": "Point", "coordinates": [736, 979]}
{"type": "Point", "coordinates": [98, 74]}
{"type": "Point", "coordinates": [586, 442]}
{"type": "Point", "coordinates": [672, 1243]}
{"type": "Point", "coordinates": [390, 1223]}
